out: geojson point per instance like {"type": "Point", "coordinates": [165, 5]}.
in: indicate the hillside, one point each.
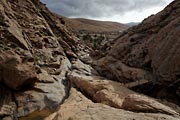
{"type": "Point", "coordinates": [46, 72]}
{"type": "Point", "coordinates": [95, 33]}
{"type": "Point", "coordinates": [132, 24]}
{"type": "Point", "coordinates": [80, 24]}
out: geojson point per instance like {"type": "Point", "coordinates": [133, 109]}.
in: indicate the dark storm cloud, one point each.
{"type": "Point", "coordinates": [99, 8]}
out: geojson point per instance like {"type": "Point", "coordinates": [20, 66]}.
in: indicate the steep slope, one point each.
{"type": "Point", "coordinates": [43, 70]}
{"type": "Point", "coordinates": [149, 51]}
{"type": "Point", "coordinates": [35, 56]}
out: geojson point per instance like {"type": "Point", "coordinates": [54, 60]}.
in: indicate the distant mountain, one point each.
{"type": "Point", "coordinates": [81, 24]}
{"type": "Point", "coordinates": [95, 33]}
{"type": "Point", "coordinates": [132, 24]}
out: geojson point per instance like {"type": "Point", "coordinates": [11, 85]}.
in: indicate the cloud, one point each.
{"type": "Point", "coordinates": [100, 8]}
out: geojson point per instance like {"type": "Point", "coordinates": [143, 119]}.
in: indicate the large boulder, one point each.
{"type": "Point", "coordinates": [78, 107]}
{"type": "Point", "coordinates": [116, 95]}
{"type": "Point", "coordinates": [14, 73]}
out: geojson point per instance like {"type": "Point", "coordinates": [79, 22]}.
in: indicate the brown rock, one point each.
{"type": "Point", "coordinates": [114, 69]}
{"type": "Point", "coordinates": [7, 105]}
{"type": "Point", "coordinates": [46, 95]}
{"type": "Point", "coordinates": [15, 73]}
{"type": "Point", "coordinates": [38, 57]}
{"type": "Point", "coordinates": [29, 62]}
{"type": "Point", "coordinates": [152, 46]}
{"type": "Point", "coordinates": [140, 103]}
{"type": "Point", "coordinates": [115, 95]}
{"type": "Point", "coordinates": [78, 107]}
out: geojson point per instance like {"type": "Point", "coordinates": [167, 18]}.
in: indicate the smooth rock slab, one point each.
{"type": "Point", "coordinates": [116, 95]}
{"type": "Point", "coordinates": [78, 107]}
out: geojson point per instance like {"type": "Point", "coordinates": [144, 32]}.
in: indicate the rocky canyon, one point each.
{"type": "Point", "coordinates": [48, 73]}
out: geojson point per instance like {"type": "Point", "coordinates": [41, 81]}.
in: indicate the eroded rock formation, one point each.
{"type": "Point", "coordinates": [148, 51]}
{"type": "Point", "coordinates": [35, 54]}
{"type": "Point", "coordinates": [44, 73]}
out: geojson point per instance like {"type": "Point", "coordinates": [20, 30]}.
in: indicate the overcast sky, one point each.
{"type": "Point", "coordinates": [123, 11]}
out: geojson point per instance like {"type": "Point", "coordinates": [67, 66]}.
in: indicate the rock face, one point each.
{"type": "Point", "coordinates": [151, 47]}
{"type": "Point", "coordinates": [35, 54]}
{"type": "Point", "coordinates": [44, 73]}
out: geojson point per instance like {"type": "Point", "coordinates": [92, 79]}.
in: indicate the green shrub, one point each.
{"type": "Point", "coordinates": [87, 37]}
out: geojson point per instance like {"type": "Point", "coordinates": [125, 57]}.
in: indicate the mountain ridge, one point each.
{"type": "Point", "coordinates": [96, 26]}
